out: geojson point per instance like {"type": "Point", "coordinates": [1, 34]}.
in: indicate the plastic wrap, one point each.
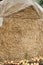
{"type": "Point", "coordinates": [11, 6]}
{"type": "Point", "coordinates": [8, 7]}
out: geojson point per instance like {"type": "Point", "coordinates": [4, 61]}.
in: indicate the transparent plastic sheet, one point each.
{"type": "Point", "coordinates": [11, 6]}
{"type": "Point", "coordinates": [8, 7]}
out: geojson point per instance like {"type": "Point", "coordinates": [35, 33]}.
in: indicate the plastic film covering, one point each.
{"type": "Point", "coordinates": [8, 7]}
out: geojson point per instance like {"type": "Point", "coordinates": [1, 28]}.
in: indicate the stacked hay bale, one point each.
{"type": "Point", "coordinates": [21, 35]}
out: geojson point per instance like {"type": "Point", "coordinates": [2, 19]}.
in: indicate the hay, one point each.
{"type": "Point", "coordinates": [21, 33]}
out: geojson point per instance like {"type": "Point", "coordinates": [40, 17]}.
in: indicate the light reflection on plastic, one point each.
{"type": "Point", "coordinates": [1, 21]}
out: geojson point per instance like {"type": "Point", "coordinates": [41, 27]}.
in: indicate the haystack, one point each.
{"type": "Point", "coordinates": [21, 35]}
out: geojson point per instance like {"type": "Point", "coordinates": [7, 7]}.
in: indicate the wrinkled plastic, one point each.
{"type": "Point", "coordinates": [8, 7]}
